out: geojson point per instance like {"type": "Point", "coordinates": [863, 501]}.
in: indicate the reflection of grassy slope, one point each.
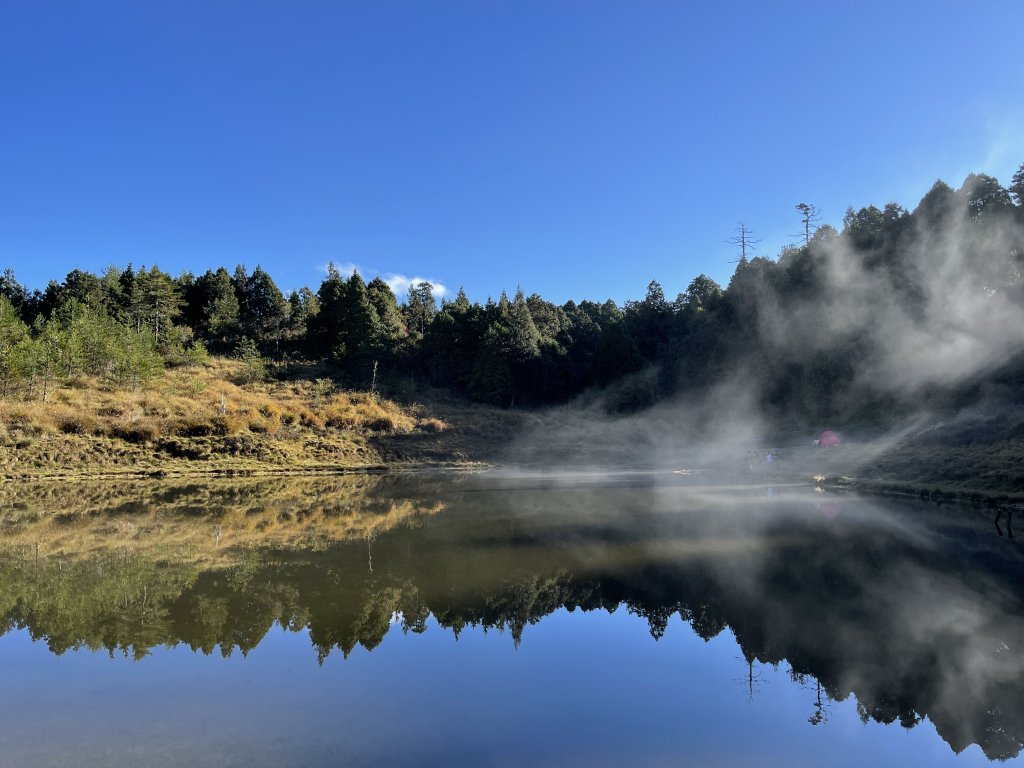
{"type": "Point", "coordinates": [174, 425]}
{"type": "Point", "coordinates": [198, 523]}
{"type": "Point", "coordinates": [840, 598]}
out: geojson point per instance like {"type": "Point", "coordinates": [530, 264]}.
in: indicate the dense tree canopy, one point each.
{"type": "Point", "coordinates": [813, 333]}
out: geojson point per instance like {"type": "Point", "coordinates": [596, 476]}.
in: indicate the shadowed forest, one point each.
{"type": "Point", "coordinates": [896, 311]}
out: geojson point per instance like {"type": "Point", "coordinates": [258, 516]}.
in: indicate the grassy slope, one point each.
{"type": "Point", "coordinates": [174, 426]}
{"type": "Point", "coordinates": [960, 462]}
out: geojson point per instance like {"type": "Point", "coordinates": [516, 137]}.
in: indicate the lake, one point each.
{"type": "Point", "coordinates": [504, 619]}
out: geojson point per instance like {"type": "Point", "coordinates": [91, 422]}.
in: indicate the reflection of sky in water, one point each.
{"type": "Point", "coordinates": [582, 689]}
{"type": "Point", "coordinates": [905, 607]}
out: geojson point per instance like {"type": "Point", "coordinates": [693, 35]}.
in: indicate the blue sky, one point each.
{"type": "Point", "coordinates": [578, 149]}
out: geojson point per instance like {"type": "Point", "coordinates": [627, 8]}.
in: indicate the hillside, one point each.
{"type": "Point", "coordinates": [199, 420]}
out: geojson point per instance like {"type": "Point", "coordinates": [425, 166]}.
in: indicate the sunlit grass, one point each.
{"type": "Point", "coordinates": [200, 419]}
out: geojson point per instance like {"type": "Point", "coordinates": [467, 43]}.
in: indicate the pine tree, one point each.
{"type": "Point", "coordinates": [1016, 187]}
{"type": "Point", "coordinates": [391, 329]}
{"type": "Point", "coordinates": [220, 313]}
{"type": "Point", "coordinates": [263, 310]}
{"type": "Point", "coordinates": [328, 327]}
{"type": "Point", "coordinates": [421, 308]}
{"type": "Point", "coordinates": [360, 324]}
{"type": "Point", "coordinates": [13, 333]}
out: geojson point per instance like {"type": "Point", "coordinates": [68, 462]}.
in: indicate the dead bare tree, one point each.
{"type": "Point", "coordinates": [744, 239]}
{"type": "Point", "coordinates": [809, 214]}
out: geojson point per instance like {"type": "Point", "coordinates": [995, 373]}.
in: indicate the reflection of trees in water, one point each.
{"type": "Point", "coordinates": [752, 680]}
{"type": "Point", "coordinates": [846, 612]}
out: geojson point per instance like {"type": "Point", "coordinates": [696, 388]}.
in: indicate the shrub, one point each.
{"type": "Point", "coordinates": [228, 425]}
{"type": "Point", "coordinates": [254, 368]}
{"type": "Point", "coordinates": [385, 423]}
{"type": "Point", "coordinates": [135, 431]}
{"type": "Point", "coordinates": [339, 421]}
{"type": "Point", "coordinates": [311, 420]}
{"type": "Point", "coordinates": [321, 389]}
{"type": "Point", "coordinates": [79, 424]}
{"type": "Point", "coordinates": [269, 411]}
{"type": "Point", "coordinates": [193, 428]}
{"type": "Point", "coordinates": [182, 450]}
{"type": "Point", "coordinates": [195, 354]}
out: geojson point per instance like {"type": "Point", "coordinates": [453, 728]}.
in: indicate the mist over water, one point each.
{"type": "Point", "coordinates": [901, 323]}
{"type": "Point", "coordinates": [808, 611]}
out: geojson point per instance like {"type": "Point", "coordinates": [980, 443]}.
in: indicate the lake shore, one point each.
{"type": "Point", "coordinates": [200, 422]}
{"type": "Point", "coordinates": [987, 473]}
{"type": "Point", "coordinates": [470, 441]}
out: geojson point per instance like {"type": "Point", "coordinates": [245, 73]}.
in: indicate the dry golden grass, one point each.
{"type": "Point", "coordinates": [174, 425]}
{"type": "Point", "coordinates": [187, 402]}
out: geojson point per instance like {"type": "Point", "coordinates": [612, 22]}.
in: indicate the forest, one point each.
{"type": "Point", "coordinates": [861, 323]}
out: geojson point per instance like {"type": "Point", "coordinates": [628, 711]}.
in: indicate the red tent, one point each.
{"type": "Point", "coordinates": [828, 438]}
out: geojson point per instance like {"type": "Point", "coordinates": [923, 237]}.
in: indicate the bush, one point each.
{"type": "Point", "coordinates": [311, 420]}
{"type": "Point", "coordinates": [195, 354]}
{"type": "Point", "coordinates": [339, 421]}
{"type": "Point", "coordinates": [79, 424]}
{"type": "Point", "coordinates": [320, 390]}
{"type": "Point", "coordinates": [385, 423]}
{"type": "Point", "coordinates": [228, 425]}
{"type": "Point", "coordinates": [241, 445]}
{"type": "Point", "coordinates": [254, 368]}
{"type": "Point", "coordinates": [135, 431]}
{"type": "Point", "coordinates": [193, 428]}
{"type": "Point", "coordinates": [631, 393]}
{"type": "Point", "coordinates": [182, 450]}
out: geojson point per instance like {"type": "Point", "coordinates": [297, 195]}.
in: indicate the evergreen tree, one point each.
{"type": "Point", "coordinates": [390, 327]}
{"type": "Point", "coordinates": [649, 320]}
{"type": "Point", "coordinates": [303, 308]}
{"type": "Point", "coordinates": [13, 291]}
{"type": "Point", "coordinates": [13, 333]}
{"type": "Point", "coordinates": [328, 327]}
{"type": "Point", "coordinates": [420, 308]}
{"type": "Point", "coordinates": [1016, 187]}
{"type": "Point", "coordinates": [157, 301]}
{"type": "Point", "coordinates": [510, 345]}
{"type": "Point", "coordinates": [262, 309]}
{"type": "Point", "coordinates": [360, 326]}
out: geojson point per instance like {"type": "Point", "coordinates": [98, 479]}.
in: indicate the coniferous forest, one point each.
{"type": "Point", "coordinates": [858, 323]}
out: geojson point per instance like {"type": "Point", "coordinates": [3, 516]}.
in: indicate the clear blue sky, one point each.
{"type": "Point", "coordinates": [579, 149]}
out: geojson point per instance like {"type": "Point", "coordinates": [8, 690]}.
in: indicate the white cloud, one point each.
{"type": "Point", "coordinates": [344, 268]}
{"type": "Point", "coordinates": [400, 285]}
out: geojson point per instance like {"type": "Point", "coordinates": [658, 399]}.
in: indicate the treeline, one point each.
{"type": "Point", "coordinates": [125, 323]}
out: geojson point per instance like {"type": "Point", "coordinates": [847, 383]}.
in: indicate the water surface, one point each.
{"type": "Point", "coordinates": [650, 619]}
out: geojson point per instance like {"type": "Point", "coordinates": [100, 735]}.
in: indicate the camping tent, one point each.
{"type": "Point", "coordinates": [828, 439]}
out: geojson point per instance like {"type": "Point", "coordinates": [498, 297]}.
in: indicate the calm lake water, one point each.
{"type": "Point", "coordinates": [645, 619]}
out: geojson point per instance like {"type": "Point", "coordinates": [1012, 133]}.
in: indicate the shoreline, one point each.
{"type": "Point", "coordinates": [922, 492]}
{"type": "Point", "coordinates": [226, 468]}
{"type": "Point", "coordinates": [223, 472]}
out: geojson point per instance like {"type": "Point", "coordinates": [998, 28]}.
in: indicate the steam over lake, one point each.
{"type": "Point", "coordinates": [643, 619]}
